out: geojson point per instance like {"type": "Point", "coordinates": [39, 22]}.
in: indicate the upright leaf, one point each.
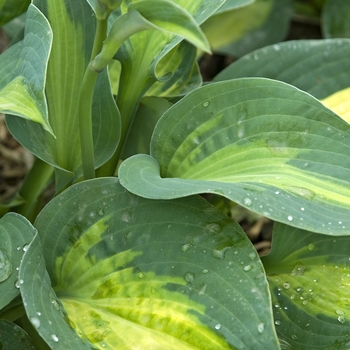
{"type": "Point", "coordinates": [141, 54]}
{"type": "Point", "coordinates": [309, 278]}
{"type": "Point", "coordinates": [131, 272]}
{"type": "Point", "coordinates": [23, 93]}
{"type": "Point", "coordinates": [261, 143]}
{"type": "Point", "coordinates": [69, 58]}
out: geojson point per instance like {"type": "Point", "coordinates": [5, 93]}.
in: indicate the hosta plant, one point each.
{"type": "Point", "coordinates": [108, 97]}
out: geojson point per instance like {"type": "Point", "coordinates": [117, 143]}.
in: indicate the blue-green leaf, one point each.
{"type": "Point", "coordinates": [22, 92]}
{"type": "Point", "coordinates": [16, 233]}
{"type": "Point", "coordinates": [132, 272]}
{"type": "Point", "coordinates": [261, 143]}
{"type": "Point", "coordinates": [309, 278]}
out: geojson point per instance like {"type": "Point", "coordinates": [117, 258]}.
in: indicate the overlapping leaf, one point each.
{"type": "Point", "coordinates": [264, 144]}
{"type": "Point", "coordinates": [69, 57]}
{"type": "Point", "coordinates": [22, 90]}
{"type": "Point", "coordinates": [141, 54]}
{"type": "Point", "coordinates": [309, 277]}
{"type": "Point", "coordinates": [43, 309]}
{"type": "Point", "coordinates": [10, 9]}
{"type": "Point", "coordinates": [335, 19]}
{"type": "Point", "coordinates": [242, 30]}
{"type": "Point", "coordinates": [16, 233]}
{"type": "Point", "coordinates": [320, 67]}
{"type": "Point", "coordinates": [13, 337]}
{"type": "Point", "coordinates": [131, 272]}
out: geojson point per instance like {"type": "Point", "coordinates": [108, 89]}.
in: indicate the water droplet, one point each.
{"type": "Point", "coordinates": [290, 217]}
{"type": "Point", "coordinates": [25, 247]}
{"type": "Point", "coordinates": [261, 328]}
{"type": "Point", "coordinates": [141, 275]}
{"type": "Point", "coordinates": [126, 216]}
{"type": "Point", "coordinates": [247, 268]}
{"type": "Point", "coordinates": [100, 212]}
{"type": "Point", "coordinates": [17, 284]}
{"type": "Point", "coordinates": [202, 290]}
{"type": "Point", "coordinates": [298, 270]}
{"type": "Point", "coordinates": [247, 201]}
{"type": "Point", "coordinates": [294, 337]}
{"type": "Point", "coordinates": [218, 326]}
{"type": "Point", "coordinates": [286, 285]}
{"type": "Point", "coordinates": [189, 277]}
{"type": "Point", "coordinates": [186, 247]}
{"type": "Point", "coordinates": [311, 246]}
{"type": "Point", "coordinates": [252, 256]}
{"type": "Point", "coordinates": [276, 47]}
{"type": "Point", "coordinates": [206, 104]}
{"type": "Point", "coordinates": [341, 319]}
{"type": "Point", "coordinates": [5, 266]}
{"type": "Point", "coordinates": [35, 322]}
{"type": "Point", "coordinates": [220, 253]}
{"type": "Point", "coordinates": [205, 271]}
{"type": "Point", "coordinates": [18, 248]}
{"type": "Point", "coordinates": [55, 304]}
{"type": "Point", "coordinates": [339, 312]}
{"type": "Point", "coordinates": [277, 322]}
{"type": "Point", "coordinates": [54, 338]}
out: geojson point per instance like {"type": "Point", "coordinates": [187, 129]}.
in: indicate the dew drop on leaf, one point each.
{"type": "Point", "coordinates": [311, 246]}
{"type": "Point", "coordinates": [218, 326]}
{"type": "Point", "coordinates": [54, 338]}
{"type": "Point", "coordinates": [189, 277]}
{"type": "Point", "coordinates": [206, 104]}
{"type": "Point", "coordinates": [186, 247]}
{"type": "Point", "coordinates": [35, 322]}
{"type": "Point", "coordinates": [247, 268]}
{"type": "Point", "coordinates": [290, 217]}
{"type": "Point", "coordinates": [247, 201]}
{"type": "Point", "coordinates": [261, 328]}
{"type": "Point", "coordinates": [5, 266]}
{"type": "Point", "coordinates": [202, 290]}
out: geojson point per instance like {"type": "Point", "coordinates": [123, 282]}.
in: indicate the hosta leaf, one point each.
{"type": "Point", "coordinates": [320, 67]}
{"type": "Point", "coordinates": [233, 4]}
{"type": "Point", "coordinates": [242, 30]}
{"type": "Point", "coordinates": [335, 19]}
{"type": "Point", "coordinates": [339, 103]}
{"type": "Point", "coordinates": [10, 9]}
{"type": "Point", "coordinates": [65, 73]}
{"type": "Point", "coordinates": [136, 273]}
{"type": "Point", "coordinates": [309, 278]}
{"type": "Point", "coordinates": [262, 143]}
{"type": "Point", "coordinates": [16, 233]}
{"type": "Point", "coordinates": [13, 337]}
{"type": "Point", "coordinates": [182, 62]}
{"type": "Point", "coordinates": [172, 18]}
{"type": "Point", "coordinates": [43, 309]}
{"type": "Point", "coordinates": [141, 53]}
{"type": "Point", "coordinates": [23, 94]}
{"type": "Point", "coordinates": [149, 112]}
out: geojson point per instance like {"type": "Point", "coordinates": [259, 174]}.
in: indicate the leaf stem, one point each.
{"type": "Point", "coordinates": [85, 105]}
{"type": "Point", "coordinates": [33, 186]}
